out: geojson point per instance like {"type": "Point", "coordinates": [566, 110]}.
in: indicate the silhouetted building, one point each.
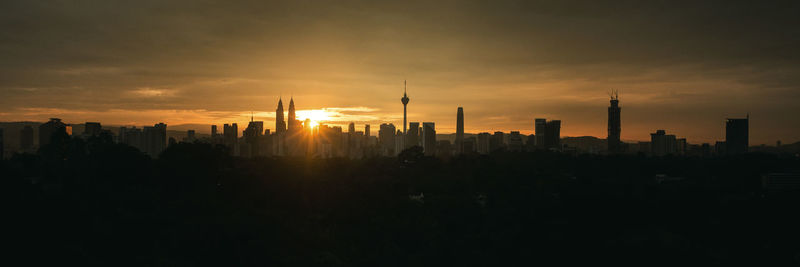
{"type": "Point", "coordinates": [399, 142]}
{"type": "Point", "coordinates": [367, 133]}
{"type": "Point", "coordinates": [662, 144]}
{"type": "Point", "coordinates": [496, 142]}
{"type": "Point", "coordinates": [484, 143]}
{"type": "Point", "coordinates": [280, 123]}
{"type": "Point", "coordinates": [26, 138]}
{"type": "Point", "coordinates": [459, 129]}
{"type": "Point", "coordinates": [213, 131]}
{"type": "Point", "coordinates": [252, 139]}
{"type": "Point", "coordinates": [553, 134]}
{"type": "Point", "coordinates": [413, 134]}
{"type": "Point", "coordinates": [293, 123]}
{"type": "Point", "coordinates": [548, 134]}
{"type": "Point", "coordinates": [614, 125]}
{"type": "Point", "coordinates": [404, 100]}
{"type": "Point", "coordinates": [155, 139]}
{"type": "Point", "coordinates": [47, 129]}
{"type": "Point", "coordinates": [386, 135]}
{"type": "Point", "coordinates": [92, 129]}
{"type": "Point", "coordinates": [515, 141]}
{"type": "Point", "coordinates": [681, 146]}
{"type": "Point", "coordinates": [540, 128]}
{"type": "Point", "coordinates": [737, 135]}
{"type": "Point", "coordinates": [230, 137]}
{"type": "Point", "coordinates": [2, 144]}
{"type": "Point", "coordinates": [429, 138]}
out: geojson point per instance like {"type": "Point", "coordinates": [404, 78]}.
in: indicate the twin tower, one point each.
{"type": "Point", "coordinates": [280, 123]}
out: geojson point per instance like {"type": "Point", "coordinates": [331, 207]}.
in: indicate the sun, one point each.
{"type": "Point", "coordinates": [316, 116]}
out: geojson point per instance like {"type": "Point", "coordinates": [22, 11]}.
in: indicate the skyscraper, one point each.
{"type": "Point", "coordinates": [405, 100]}
{"type": "Point", "coordinates": [154, 139]}
{"type": "Point", "coordinates": [737, 135]}
{"type": "Point", "coordinates": [412, 137]}
{"type": "Point", "coordinates": [366, 130]}
{"type": "Point", "coordinates": [26, 138]}
{"type": "Point", "coordinates": [483, 143]}
{"type": "Point", "coordinates": [459, 130]}
{"type": "Point", "coordinates": [553, 134]}
{"type": "Point", "coordinates": [280, 124]}
{"type": "Point", "coordinates": [252, 138]}
{"type": "Point", "coordinates": [614, 124]}
{"type": "Point", "coordinates": [540, 130]}
{"type": "Point", "coordinates": [292, 119]}
{"type": "Point", "coordinates": [429, 138]}
{"type": "Point", "coordinates": [386, 135]}
{"type": "Point", "coordinates": [230, 137]}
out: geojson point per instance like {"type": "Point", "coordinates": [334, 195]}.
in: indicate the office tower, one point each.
{"type": "Point", "coordinates": [737, 135]}
{"type": "Point", "coordinates": [399, 142]}
{"type": "Point", "coordinates": [26, 138]}
{"type": "Point", "coordinates": [662, 144]}
{"type": "Point", "coordinates": [614, 124]}
{"type": "Point", "coordinates": [540, 129]}
{"type": "Point", "coordinates": [230, 137]}
{"type": "Point", "coordinates": [459, 129]}
{"type": "Point", "coordinates": [280, 124]}
{"type": "Point", "coordinates": [92, 128]}
{"type": "Point", "coordinates": [429, 138]}
{"type": "Point", "coordinates": [483, 143]}
{"type": "Point", "coordinates": [292, 118]}
{"type": "Point", "coordinates": [405, 100]}
{"type": "Point", "coordinates": [553, 134]}
{"type": "Point", "coordinates": [252, 136]}
{"type": "Point", "coordinates": [386, 135]}
{"type": "Point", "coordinates": [213, 131]}
{"type": "Point", "coordinates": [366, 131]}
{"type": "Point", "coordinates": [49, 128]}
{"type": "Point", "coordinates": [154, 139]}
{"type": "Point", "coordinates": [496, 142]}
{"type": "Point", "coordinates": [515, 141]}
{"type": "Point", "coordinates": [412, 137]}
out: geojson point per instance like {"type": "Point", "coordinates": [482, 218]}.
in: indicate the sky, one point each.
{"type": "Point", "coordinates": [681, 66]}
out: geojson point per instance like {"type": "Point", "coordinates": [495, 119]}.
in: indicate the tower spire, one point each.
{"type": "Point", "coordinates": [404, 100]}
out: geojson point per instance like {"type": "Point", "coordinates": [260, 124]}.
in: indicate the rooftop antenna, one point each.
{"type": "Point", "coordinates": [614, 94]}
{"type": "Point", "coordinates": [251, 116]}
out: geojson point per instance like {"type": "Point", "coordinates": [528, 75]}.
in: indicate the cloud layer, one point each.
{"type": "Point", "coordinates": [680, 66]}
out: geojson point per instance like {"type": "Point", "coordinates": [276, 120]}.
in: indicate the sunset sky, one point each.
{"type": "Point", "coordinates": [682, 66]}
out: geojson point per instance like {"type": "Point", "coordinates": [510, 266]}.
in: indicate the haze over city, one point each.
{"type": "Point", "coordinates": [680, 66]}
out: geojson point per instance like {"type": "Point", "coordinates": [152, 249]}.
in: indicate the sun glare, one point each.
{"type": "Point", "coordinates": [316, 116]}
